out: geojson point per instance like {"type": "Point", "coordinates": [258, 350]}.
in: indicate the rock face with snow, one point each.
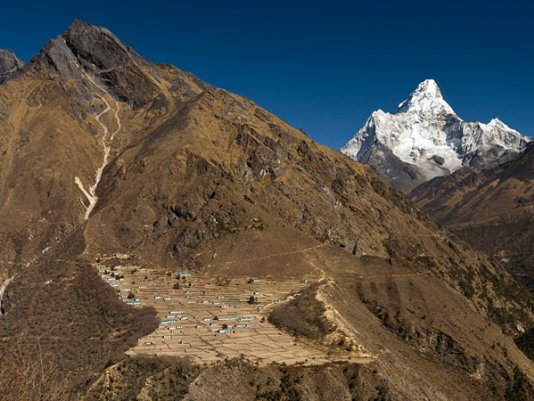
{"type": "Point", "coordinates": [426, 139]}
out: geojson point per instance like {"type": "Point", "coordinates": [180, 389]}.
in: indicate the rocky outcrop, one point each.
{"type": "Point", "coordinates": [58, 55]}
{"type": "Point", "coordinates": [9, 64]}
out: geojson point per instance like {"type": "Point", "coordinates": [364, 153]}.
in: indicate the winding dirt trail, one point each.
{"type": "Point", "coordinates": [107, 140]}
{"type": "Point", "coordinates": [274, 255]}
{"type": "Point", "coordinates": [89, 193]}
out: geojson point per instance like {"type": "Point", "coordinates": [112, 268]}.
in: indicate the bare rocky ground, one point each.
{"type": "Point", "coordinates": [202, 181]}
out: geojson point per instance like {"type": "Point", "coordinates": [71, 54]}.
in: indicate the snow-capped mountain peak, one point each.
{"type": "Point", "coordinates": [495, 122]}
{"type": "Point", "coordinates": [425, 139]}
{"type": "Point", "coordinates": [426, 99]}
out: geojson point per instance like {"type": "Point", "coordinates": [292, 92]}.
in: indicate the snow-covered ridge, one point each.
{"type": "Point", "coordinates": [425, 139]}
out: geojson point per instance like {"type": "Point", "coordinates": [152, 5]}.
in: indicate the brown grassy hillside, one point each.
{"type": "Point", "coordinates": [106, 153]}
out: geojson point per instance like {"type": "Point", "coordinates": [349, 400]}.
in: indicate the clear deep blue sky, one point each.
{"type": "Point", "coordinates": [322, 66]}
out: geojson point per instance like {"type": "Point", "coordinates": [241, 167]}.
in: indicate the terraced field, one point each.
{"type": "Point", "coordinates": [211, 319]}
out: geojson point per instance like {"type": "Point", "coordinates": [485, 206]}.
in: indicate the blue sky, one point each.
{"type": "Point", "coordinates": [321, 66]}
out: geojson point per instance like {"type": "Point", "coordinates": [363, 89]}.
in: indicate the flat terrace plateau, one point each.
{"type": "Point", "coordinates": [212, 319]}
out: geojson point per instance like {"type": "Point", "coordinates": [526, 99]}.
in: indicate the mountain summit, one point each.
{"type": "Point", "coordinates": [426, 139]}
{"type": "Point", "coordinates": [426, 99]}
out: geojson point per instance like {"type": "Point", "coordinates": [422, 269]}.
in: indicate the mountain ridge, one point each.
{"type": "Point", "coordinates": [205, 182]}
{"type": "Point", "coordinates": [492, 209]}
{"type": "Point", "coordinates": [425, 139]}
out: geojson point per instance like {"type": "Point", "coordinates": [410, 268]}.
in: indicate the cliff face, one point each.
{"type": "Point", "coordinates": [107, 154]}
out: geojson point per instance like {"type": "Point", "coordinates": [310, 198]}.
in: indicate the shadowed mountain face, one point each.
{"type": "Point", "coordinates": [105, 153]}
{"type": "Point", "coordinates": [491, 209]}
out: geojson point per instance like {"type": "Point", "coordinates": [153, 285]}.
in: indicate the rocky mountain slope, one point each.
{"type": "Point", "coordinates": [492, 209]}
{"type": "Point", "coordinates": [9, 64]}
{"type": "Point", "coordinates": [426, 139]}
{"type": "Point", "coordinates": [106, 154]}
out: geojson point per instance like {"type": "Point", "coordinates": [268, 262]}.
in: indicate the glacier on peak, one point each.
{"type": "Point", "coordinates": [426, 139]}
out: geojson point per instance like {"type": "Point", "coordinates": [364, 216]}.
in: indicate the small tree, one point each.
{"type": "Point", "coordinates": [251, 300]}
{"type": "Point", "coordinates": [131, 295]}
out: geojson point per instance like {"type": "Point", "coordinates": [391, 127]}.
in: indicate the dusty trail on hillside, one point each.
{"type": "Point", "coordinates": [90, 194]}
